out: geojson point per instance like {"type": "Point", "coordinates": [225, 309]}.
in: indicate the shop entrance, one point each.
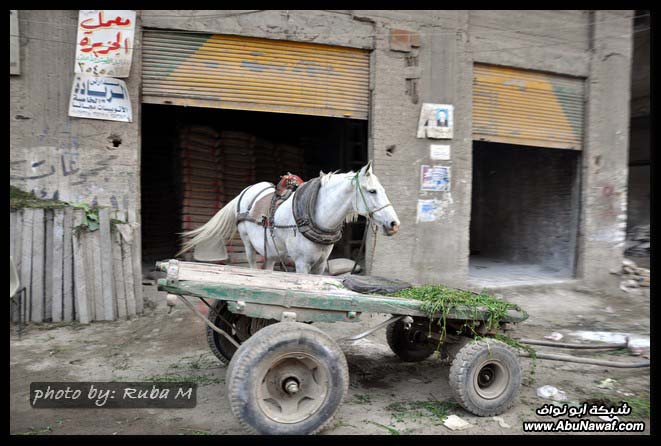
{"type": "Point", "coordinates": [524, 216]}
{"type": "Point", "coordinates": [195, 160]}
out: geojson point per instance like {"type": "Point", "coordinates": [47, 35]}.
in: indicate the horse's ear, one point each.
{"type": "Point", "coordinates": [367, 169]}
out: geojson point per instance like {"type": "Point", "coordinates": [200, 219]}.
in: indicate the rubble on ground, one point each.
{"type": "Point", "coordinates": [633, 278]}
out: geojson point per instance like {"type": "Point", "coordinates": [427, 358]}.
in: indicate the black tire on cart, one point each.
{"type": "Point", "coordinates": [220, 346]}
{"type": "Point", "coordinates": [485, 377]}
{"type": "Point", "coordinates": [410, 345]}
{"type": "Point", "coordinates": [289, 378]}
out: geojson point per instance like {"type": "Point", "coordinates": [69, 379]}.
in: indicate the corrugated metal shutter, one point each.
{"type": "Point", "coordinates": [223, 71]}
{"type": "Point", "coordinates": [527, 107]}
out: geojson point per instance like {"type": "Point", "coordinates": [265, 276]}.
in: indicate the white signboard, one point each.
{"type": "Point", "coordinates": [426, 211]}
{"type": "Point", "coordinates": [100, 98]}
{"type": "Point", "coordinates": [104, 46]}
{"type": "Point", "coordinates": [435, 121]}
{"type": "Point", "coordinates": [439, 152]}
{"type": "Point", "coordinates": [435, 178]}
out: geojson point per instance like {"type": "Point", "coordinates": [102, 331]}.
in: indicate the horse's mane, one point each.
{"type": "Point", "coordinates": [325, 178]}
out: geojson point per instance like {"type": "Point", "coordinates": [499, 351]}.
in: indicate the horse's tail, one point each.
{"type": "Point", "coordinates": [220, 227]}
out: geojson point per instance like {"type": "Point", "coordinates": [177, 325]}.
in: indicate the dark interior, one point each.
{"type": "Point", "coordinates": [328, 144]}
{"type": "Point", "coordinates": [525, 203]}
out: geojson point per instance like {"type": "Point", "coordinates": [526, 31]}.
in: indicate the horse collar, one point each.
{"type": "Point", "coordinates": [305, 200]}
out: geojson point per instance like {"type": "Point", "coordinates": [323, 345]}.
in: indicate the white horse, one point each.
{"type": "Point", "coordinates": [340, 198]}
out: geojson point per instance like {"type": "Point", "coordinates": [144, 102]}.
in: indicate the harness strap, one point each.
{"type": "Point", "coordinates": [243, 216]}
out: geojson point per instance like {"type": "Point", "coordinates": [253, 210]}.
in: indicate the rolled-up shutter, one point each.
{"type": "Point", "coordinates": [527, 107]}
{"type": "Point", "coordinates": [235, 72]}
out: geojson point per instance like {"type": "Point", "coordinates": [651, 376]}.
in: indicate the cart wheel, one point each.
{"type": "Point", "coordinates": [485, 377]}
{"type": "Point", "coordinates": [410, 345]}
{"type": "Point", "coordinates": [289, 378]}
{"type": "Point", "coordinates": [246, 327]}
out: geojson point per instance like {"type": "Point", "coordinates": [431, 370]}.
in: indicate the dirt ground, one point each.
{"type": "Point", "coordinates": [385, 396]}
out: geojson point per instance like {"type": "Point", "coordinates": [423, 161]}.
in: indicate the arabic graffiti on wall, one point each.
{"type": "Point", "coordinates": [105, 42]}
{"type": "Point", "coordinates": [100, 98]}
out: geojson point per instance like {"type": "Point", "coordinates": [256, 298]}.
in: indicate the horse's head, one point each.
{"type": "Point", "coordinates": [370, 200]}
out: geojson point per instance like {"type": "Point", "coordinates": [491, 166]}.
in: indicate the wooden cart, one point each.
{"type": "Point", "coordinates": [286, 376]}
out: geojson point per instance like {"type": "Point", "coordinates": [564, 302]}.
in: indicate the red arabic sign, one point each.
{"type": "Point", "coordinates": [105, 42]}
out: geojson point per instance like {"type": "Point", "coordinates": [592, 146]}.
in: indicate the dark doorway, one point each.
{"type": "Point", "coordinates": [524, 216]}
{"type": "Point", "coordinates": [323, 143]}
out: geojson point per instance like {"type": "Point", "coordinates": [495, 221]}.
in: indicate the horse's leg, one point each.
{"type": "Point", "coordinates": [270, 263]}
{"type": "Point", "coordinates": [302, 266]}
{"type": "Point", "coordinates": [318, 268]}
{"type": "Point", "coordinates": [250, 249]}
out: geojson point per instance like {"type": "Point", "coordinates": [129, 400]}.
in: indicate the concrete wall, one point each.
{"type": "Point", "coordinates": [53, 154]}
{"type": "Point", "coordinates": [433, 64]}
{"type": "Point", "coordinates": [524, 204]}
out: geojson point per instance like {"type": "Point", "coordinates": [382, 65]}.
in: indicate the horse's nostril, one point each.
{"type": "Point", "coordinates": [393, 224]}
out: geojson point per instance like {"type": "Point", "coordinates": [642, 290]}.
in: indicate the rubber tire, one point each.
{"type": "Point", "coordinates": [220, 347]}
{"type": "Point", "coordinates": [271, 341]}
{"type": "Point", "coordinates": [466, 364]}
{"type": "Point", "coordinates": [406, 350]}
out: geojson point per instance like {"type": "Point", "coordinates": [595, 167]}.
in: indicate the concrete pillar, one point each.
{"type": "Point", "coordinates": [604, 189]}
{"type": "Point", "coordinates": [428, 252]}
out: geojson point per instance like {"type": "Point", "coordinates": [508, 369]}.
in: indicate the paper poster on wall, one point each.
{"type": "Point", "coordinates": [439, 152]}
{"type": "Point", "coordinates": [435, 178]}
{"type": "Point", "coordinates": [100, 98]}
{"type": "Point", "coordinates": [436, 121]}
{"type": "Point", "coordinates": [104, 45]}
{"type": "Point", "coordinates": [426, 211]}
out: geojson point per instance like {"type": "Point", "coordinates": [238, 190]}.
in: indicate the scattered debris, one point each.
{"type": "Point", "coordinates": [455, 423]}
{"type": "Point", "coordinates": [607, 418]}
{"type": "Point", "coordinates": [621, 392]}
{"type": "Point", "coordinates": [633, 277]}
{"type": "Point", "coordinates": [607, 383]}
{"type": "Point", "coordinates": [551, 393]}
{"type": "Point", "coordinates": [501, 422]}
{"type": "Point", "coordinates": [638, 346]}
{"type": "Point", "coordinates": [555, 336]}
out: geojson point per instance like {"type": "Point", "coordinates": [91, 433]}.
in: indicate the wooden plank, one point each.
{"type": "Point", "coordinates": [107, 278]}
{"type": "Point", "coordinates": [127, 263]}
{"type": "Point", "coordinates": [89, 273]}
{"type": "Point", "coordinates": [127, 257]}
{"type": "Point", "coordinates": [16, 253]}
{"type": "Point", "coordinates": [12, 232]}
{"type": "Point", "coordinates": [136, 252]}
{"type": "Point", "coordinates": [57, 264]}
{"type": "Point", "coordinates": [48, 265]}
{"type": "Point", "coordinates": [37, 280]}
{"type": "Point", "coordinates": [291, 300]}
{"type": "Point", "coordinates": [67, 267]}
{"type": "Point", "coordinates": [118, 272]}
{"type": "Point", "coordinates": [26, 258]}
{"type": "Point", "coordinates": [95, 238]}
{"type": "Point", "coordinates": [79, 274]}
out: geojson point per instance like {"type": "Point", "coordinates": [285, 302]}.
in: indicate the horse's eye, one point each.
{"type": "Point", "coordinates": [372, 191]}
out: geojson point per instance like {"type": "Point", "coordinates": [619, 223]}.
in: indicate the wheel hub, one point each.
{"type": "Point", "coordinates": [294, 386]}
{"type": "Point", "coordinates": [491, 379]}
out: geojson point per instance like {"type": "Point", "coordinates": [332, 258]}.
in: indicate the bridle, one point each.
{"type": "Point", "coordinates": [362, 195]}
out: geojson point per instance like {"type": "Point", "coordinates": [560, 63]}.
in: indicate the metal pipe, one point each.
{"type": "Point", "coordinates": [567, 358]}
{"type": "Point", "coordinates": [567, 345]}
{"type": "Point", "coordinates": [207, 321]}
{"type": "Point", "coordinates": [371, 330]}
